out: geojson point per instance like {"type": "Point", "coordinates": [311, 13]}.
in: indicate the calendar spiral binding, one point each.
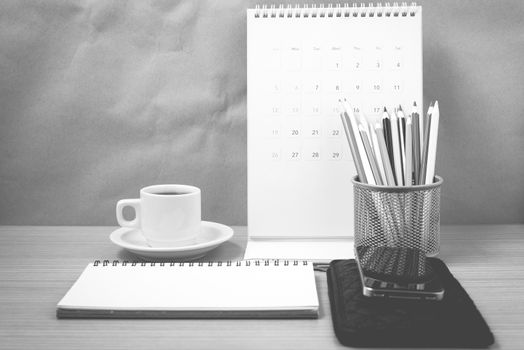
{"type": "Point", "coordinates": [354, 10]}
{"type": "Point", "coordinates": [243, 263]}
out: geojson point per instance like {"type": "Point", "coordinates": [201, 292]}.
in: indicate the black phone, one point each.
{"type": "Point", "coordinates": [394, 272]}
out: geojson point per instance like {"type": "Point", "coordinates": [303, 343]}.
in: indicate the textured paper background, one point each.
{"type": "Point", "coordinates": [100, 98]}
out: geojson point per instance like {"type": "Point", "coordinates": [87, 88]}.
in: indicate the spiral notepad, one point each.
{"type": "Point", "coordinates": [232, 289]}
{"type": "Point", "coordinates": [301, 61]}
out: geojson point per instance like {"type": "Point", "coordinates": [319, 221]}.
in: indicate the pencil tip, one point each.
{"type": "Point", "coordinates": [414, 103]}
{"type": "Point", "coordinates": [385, 110]}
{"type": "Point", "coordinates": [399, 107]}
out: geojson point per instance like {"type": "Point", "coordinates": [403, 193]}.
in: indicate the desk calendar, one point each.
{"type": "Point", "coordinates": [300, 62]}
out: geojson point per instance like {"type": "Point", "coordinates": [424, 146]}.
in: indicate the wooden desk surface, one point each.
{"type": "Point", "coordinates": [39, 264]}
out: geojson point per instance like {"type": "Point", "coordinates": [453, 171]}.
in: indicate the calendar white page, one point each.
{"type": "Point", "coordinates": [299, 162]}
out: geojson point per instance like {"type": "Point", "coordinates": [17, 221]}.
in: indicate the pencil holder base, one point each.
{"type": "Point", "coordinates": [398, 216]}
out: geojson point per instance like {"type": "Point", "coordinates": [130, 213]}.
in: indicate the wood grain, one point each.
{"type": "Point", "coordinates": [39, 264]}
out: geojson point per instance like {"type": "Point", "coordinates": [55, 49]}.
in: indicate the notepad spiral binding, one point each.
{"type": "Point", "coordinates": [354, 10]}
{"type": "Point", "coordinates": [266, 262]}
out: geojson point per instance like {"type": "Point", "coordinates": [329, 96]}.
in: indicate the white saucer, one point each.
{"type": "Point", "coordinates": [211, 236]}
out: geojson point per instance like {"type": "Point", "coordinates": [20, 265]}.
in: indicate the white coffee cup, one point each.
{"type": "Point", "coordinates": [167, 215]}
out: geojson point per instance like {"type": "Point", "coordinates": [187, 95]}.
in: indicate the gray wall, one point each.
{"type": "Point", "coordinates": [100, 98]}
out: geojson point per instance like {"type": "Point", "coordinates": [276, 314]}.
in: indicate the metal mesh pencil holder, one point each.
{"type": "Point", "coordinates": [407, 217]}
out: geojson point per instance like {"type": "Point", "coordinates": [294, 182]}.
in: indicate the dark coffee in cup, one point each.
{"type": "Point", "coordinates": [171, 193]}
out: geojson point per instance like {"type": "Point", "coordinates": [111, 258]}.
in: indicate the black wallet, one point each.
{"type": "Point", "coordinates": [361, 321]}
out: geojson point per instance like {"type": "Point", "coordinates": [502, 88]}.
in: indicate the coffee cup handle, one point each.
{"type": "Point", "coordinates": [135, 204]}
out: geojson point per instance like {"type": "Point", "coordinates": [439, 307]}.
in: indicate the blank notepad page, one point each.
{"type": "Point", "coordinates": [250, 288]}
